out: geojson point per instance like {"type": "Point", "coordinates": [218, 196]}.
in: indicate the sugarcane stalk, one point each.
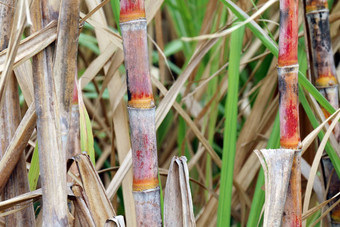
{"type": "Point", "coordinates": [65, 62]}
{"type": "Point", "coordinates": [17, 183]}
{"type": "Point", "coordinates": [289, 106]}
{"type": "Point", "coordinates": [52, 162]}
{"type": "Point", "coordinates": [141, 111]}
{"type": "Point", "coordinates": [324, 78]}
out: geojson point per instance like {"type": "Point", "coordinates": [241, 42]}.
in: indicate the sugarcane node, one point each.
{"type": "Point", "coordinates": [312, 5]}
{"type": "Point", "coordinates": [142, 185]}
{"type": "Point", "coordinates": [131, 10]}
{"type": "Point", "coordinates": [132, 16]}
{"type": "Point", "coordinates": [141, 103]}
{"type": "Point", "coordinates": [326, 81]}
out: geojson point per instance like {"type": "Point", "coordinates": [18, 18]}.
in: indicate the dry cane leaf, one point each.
{"type": "Point", "coordinates": [17, 145]}
{"type": "Point", "coordinates": [117, 221]}
{"type": "Point", "coordinates": [24, 77]}
{"type": "Point", "coordinates": [318, 207]}
{"type": "Point", "coordinates": [316, 162]}
{"type": "Point", "coordinates": [82, 213]}
{"type": "Point", "coordinates": [20, 199]}
{"type": "Point", "coordinates": [34, 195]}
{"type": "Point", "coordinates": [16, 31]}
{"type": "Point", "coordinates": [311, 136]}
{"type": "Point", "coordinates": [178, 209]}
{"type": "Point", "coordinates": [95, 196]}
{"type": "Point", "coordinates": [32, 45]}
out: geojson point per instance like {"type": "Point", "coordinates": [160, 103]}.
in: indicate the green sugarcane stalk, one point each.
{"type": "Point", "coordinates": [324, 78]}
{"type": "Point", "coordinates": [141, 110]}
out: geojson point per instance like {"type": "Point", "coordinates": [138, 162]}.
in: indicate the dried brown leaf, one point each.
{"type": "Point", "coordinates": [95, 196]}
{"type": "Point", "coordinates": [178, 208]}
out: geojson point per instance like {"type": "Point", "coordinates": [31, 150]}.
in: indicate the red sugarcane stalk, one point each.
{"type": "Point", "coordinates": [289, 105]}
{"type": "Point", "coordinates": [324, 77]}
{"type": "Point", "coordinates": [141, 110]}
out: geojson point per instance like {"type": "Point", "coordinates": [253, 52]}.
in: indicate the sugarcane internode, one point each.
{"type": "Point", "coordinates": [141, 110]}
{"type": "Point", "coordinates": [137, 64]}
{"type": "Point", "coordinates": [288, 33]}
{"type": "Point", "coordinates": [289, 106]}
{"type": "Point", "coordinates": [323, 68]}
{"type": "Point", "coordinates": [322, 62]}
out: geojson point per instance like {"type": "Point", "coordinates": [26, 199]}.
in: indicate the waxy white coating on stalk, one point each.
{"type": "Point", "coordinates": [147, 207]}
{"type": "Point", "coordinates": [276, 164]}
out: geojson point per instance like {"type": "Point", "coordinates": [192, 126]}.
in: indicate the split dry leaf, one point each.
{"type": "Point", "coordinates": [94, 193]}
{"type": "Point", "coordinates": [178, 208]}
{"type": "Point", "coordinates": [82, 213]}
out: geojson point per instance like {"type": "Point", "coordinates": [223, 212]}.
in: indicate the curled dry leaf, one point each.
{"type": "Point", "coordinates": [94, 193]}
{"type": "Point", "coordinates": [178, 209]}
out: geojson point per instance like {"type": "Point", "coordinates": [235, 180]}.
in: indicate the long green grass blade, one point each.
{"type": "Point", "coordinates": [86, 135]}
{"type": "Point", "coordinates": [33, 173]}
{"type": "Point", "coordinates": [230, 130]}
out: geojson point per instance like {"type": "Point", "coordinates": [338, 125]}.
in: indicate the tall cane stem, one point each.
{"type": "Point", "coordinates": [289, 105]}
{"type": "Point", "coordinates": [141, 110]}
